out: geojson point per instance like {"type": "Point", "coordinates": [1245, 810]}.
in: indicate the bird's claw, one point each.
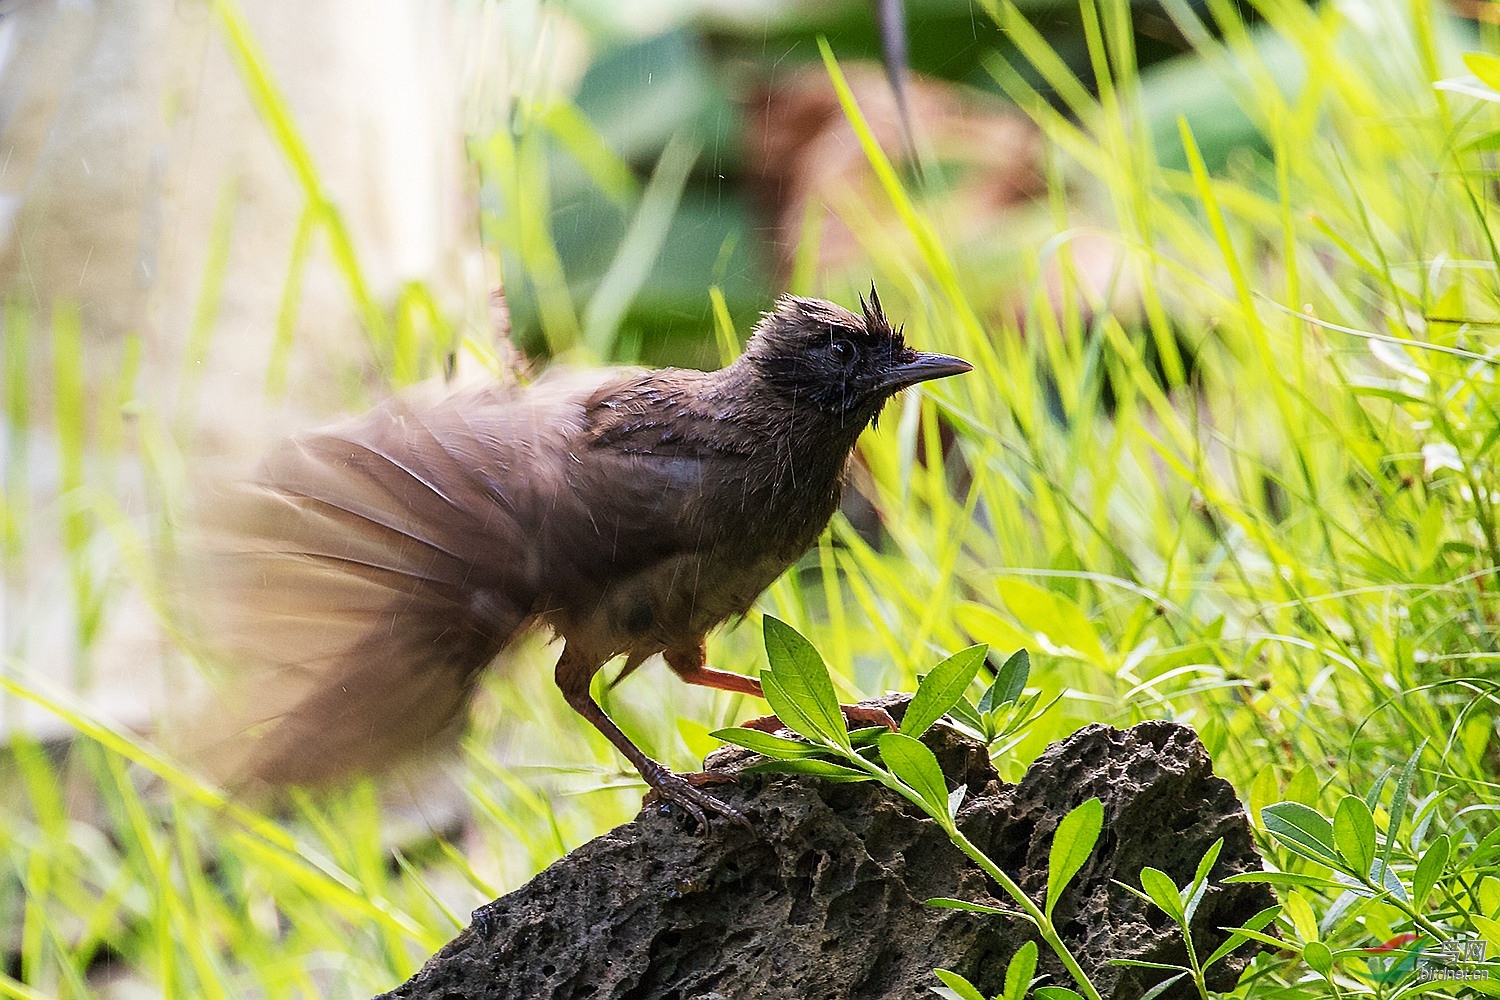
{"type": "Point", "coordinates": [683, 790]}
{"type": "Point", "coordinates": [855, 716]}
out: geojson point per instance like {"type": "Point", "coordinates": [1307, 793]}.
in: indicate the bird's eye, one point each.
{"type": "Point", "coordinates": [840, 350]}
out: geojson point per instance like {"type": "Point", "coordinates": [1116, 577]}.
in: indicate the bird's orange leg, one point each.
{"type": "Point", "coordinates": [690, 666]}
{"type": "Point", "coordinates": [688, 663]}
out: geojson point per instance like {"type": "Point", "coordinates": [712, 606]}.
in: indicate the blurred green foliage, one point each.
{"type": "Point", "coordinates": [691, 85]}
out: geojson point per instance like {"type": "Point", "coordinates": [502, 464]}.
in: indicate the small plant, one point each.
{"type": "Point", "coordinates": [1004, 712]}
{"type": "Point", "coordinates": [1405, 911]}
{"type": "Point", "coordinates": [799, 690]}
{"type": "Point", "coordinates": [1158, 889]}
{"type": "Point", "coordinates": [1018, 978]}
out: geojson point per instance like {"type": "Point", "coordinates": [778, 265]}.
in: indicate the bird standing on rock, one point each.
{"type": "Point", "coordinates": [374, 568]}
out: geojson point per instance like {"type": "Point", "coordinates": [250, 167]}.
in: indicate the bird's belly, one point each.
{"type": "Point", "coordinates": [671, 605]}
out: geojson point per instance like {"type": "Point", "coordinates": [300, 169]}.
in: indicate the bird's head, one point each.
{"type": "Point", "coordinates": [813, 352]}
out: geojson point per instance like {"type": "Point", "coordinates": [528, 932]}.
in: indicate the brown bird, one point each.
{"type": "Point", "coordinates": [374, 568]}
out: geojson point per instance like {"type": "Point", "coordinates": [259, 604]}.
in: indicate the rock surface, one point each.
{"type": "Point", "coordinates": [825, 900]}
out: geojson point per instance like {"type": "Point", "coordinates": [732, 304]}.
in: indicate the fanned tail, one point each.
{"type": "Point", "coordinates": [345, 596]}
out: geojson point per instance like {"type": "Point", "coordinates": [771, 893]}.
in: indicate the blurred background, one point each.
{"type": "Point", "coordinates": [1226, 271]}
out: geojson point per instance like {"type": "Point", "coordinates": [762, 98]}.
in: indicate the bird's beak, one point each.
{"type": "Point", "coordinates": [922, 368]}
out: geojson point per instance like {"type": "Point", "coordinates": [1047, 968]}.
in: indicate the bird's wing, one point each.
{"type": "Point", "coordinates": [355, 589]}
{"type": "Point", "coordinates": [651, 463]}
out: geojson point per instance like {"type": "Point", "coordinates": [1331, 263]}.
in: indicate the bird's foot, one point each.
{"type": "Point", "coordinates": [855, 717]}
{"type": "Point", "coordinates": [862, 716]}
{"type": "Point", "coordinates": [685, 792]}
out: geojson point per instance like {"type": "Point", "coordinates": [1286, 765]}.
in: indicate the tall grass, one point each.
{"type": "Point", "coordinates": [1253, 493]}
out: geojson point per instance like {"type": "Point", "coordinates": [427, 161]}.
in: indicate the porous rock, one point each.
{"type": "Point", "coordinates": [825, 900]}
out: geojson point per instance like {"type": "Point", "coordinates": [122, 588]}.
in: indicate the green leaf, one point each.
{"type": "Point", "coordinates": [1388, 880]}
{"type": "Point", "coordinates": [1019, 972]}
{"type": "Point", "coordinates": [1195, 893]}
{"type": "Point", "coordinates": [1303, 829]}
{"type": "Point", "coordinates": [988, 626]}
{"type": "Point", "coordinates": [1434, 859]}
{"type": "Point", "coordinates": [1287, 878]}
{"type": "Point", "coordinates": [1200, 880]}
{"type": "Point", "coordinates": [1318, 957]}
{"type": "Point", "coordinates": [826, 769]}
{"type": "Point", "coordinates": [1054, 615]}
{"type": "Point", "coordinates": [766, 744]}
{"type": "Point", "coordinates": [1135, 963]}
{"type": "Point", "coordinates": [1206, 863]}
{"type": "Point", "coordinates": [1236, 938]}
{"type": "Point", "coordinates": [1488, 926]}
{"type": "Point", "coordinates": [1055, 993]}
{"type": "Point", "coordinates": [1354, 834]}
{"type": "Point", "coordinates": [1372, 797]}
{"type": "Point", "coordinates": [1304, 786]}
{"type": "Point", "coordinates": [1485, 66]}
{"type": "Point", "coordinates": [696, 737]}
{"type": "Point", "coordinates": [1486, 142]}
{"type": "Point", "coordinates": [949, 903]}
{"type": "Point", "coordinates": [1162, 986]}
{"type": "Point", "coordinates": [802, 688]}
{"type": "Point", "coordinates": [590, 151]}
{"type": "Point", "coordinates": [1428, 809]}
{"type": "Point", "coordinates": [1300, 911]}
{"type": "Point", "coordinates": [963, 711]}
{"type": "Point", "coordinates": [1010, 681]}
{"type": "Point", "coordinates": [787, 710]}
{"type": "Point", "coordinates": [1163, 892]}
{"type": "Point", "coordinates": [1274, 943]}
{"type": "Point", "coordinates": [1072, 844]}
{"type": "Point", "coordinates": [914, 764]}
{"type": "Point", "coordinates": [960, 986]}
{"type": "Point", "coordinates": [1482, 853]}
{"type": "Point", "coordinates": [1263, 791]}
{"type": "Point", "coordinates": [1398, 803]}
{"type": "Point", "coordinates": [941, 689]}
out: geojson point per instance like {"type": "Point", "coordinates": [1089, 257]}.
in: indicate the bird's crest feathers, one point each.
{"type": "Point", "coordinates": [875, 321]}
{"type": "Point", "coordinates": [797, 317]}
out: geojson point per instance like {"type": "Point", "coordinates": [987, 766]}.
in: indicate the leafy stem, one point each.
{"type": "Point", "coordinates": [800, 692]}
